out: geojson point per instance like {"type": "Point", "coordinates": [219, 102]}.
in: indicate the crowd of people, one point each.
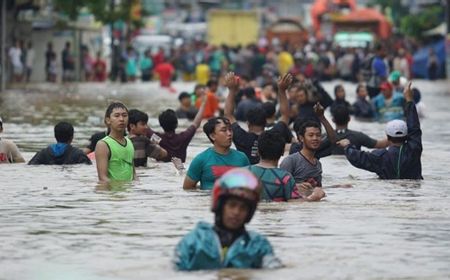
{"type": "Point", "coordinates": [280, 115]}
{"type": "Point", "coordinates": [199, 61]}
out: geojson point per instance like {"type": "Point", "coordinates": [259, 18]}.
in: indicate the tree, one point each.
{"type": "Point", "coordinates": [415, 25]}
{"type": "Point", "coordinates": [412, 24]}
{"type": "Point", "coordinates": [105, 11]}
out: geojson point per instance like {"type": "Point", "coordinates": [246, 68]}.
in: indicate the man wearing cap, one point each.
{"type": "Point", "coordinates": [401, 160]}
{"type": "Point", "coordinates": [8, 150]}
{"type": "Point", "coordinates": [388, 104]}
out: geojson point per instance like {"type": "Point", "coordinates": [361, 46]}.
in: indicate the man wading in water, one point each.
{"type": "Point", "coordinates": [401, 160]}
{"type": "Point", "coordinates": [115, 153]}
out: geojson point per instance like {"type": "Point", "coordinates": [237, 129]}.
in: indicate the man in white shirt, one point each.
{"type": "Point", "coordinates": [14, 55]}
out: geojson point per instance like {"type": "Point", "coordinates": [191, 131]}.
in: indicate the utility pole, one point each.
{"type": "Point", "coordinates": [2, 46]}
{"type": "Point", "coordinates": [113, 50]}
{"type": "Point", "coordinates": [447, 37]}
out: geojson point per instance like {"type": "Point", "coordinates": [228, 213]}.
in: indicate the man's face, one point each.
{"type": "Point", "coordinates": [234, 213]}
{"type": "Point", "coordinates": [312, 138]}
{"type": "Point", "coordinates": [222, 135]}
{"type": "Point", "coordinates": [301, 97]}
{"type": "Point", "coordinates": [387, 93]}
{"type": "Point", "coordinates": [200, 91]}
{"type": "Point", "coordinates": [140, 128]}
{"type": "Point", "coordinates": [340, 93]}
{"type": "Point", "coordinates": [269, 92]}
{"type": "Point", "coordinates": [186, 102]}
{"type": "Point", "coordinates": [362, 92]}
{"type": "Point", "coordinates": [118, 120]}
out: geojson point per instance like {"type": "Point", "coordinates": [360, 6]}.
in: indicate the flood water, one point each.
{"type": "Point", "coordinates": [55, 224]}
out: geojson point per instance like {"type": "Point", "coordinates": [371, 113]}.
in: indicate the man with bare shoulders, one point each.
{"type": "Point", "coordinates": [115, 153]}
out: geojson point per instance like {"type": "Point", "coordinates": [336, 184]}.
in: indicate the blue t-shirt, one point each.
{"type": "Point", "coordinates": [388, 111]}
{"type": "Point", "coordinates": [209, 165]}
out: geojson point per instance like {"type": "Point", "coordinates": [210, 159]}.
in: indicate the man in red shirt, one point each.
{"type": "Point", "coordinates": [165, 71]}
{"type": "Point", "coordinates": [99, 69]}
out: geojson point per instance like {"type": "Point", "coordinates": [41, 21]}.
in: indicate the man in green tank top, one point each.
{"type": "Point", "coordinates": [114, 154]}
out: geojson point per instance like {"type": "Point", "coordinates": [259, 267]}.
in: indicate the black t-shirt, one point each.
{"type": "Point", "coordinates": [94, 139]}
{"type": "Point", "coordinates": [357, 139]}
{"type": "Point", "coordinates": [283, 129]}
{"type": "Point", "coordinates": [189, 114]}
{"type": "Point", "coordinates": [71, 155]}
{"type": "Point", "coordinates": [246, 142]}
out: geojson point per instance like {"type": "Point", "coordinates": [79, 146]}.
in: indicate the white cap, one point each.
{"type": "Point", "coordinates": [396, 128]}
{"type": "Point", "coordinates": [403, 81]}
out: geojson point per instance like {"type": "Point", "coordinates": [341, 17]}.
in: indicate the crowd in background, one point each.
{"type": "Point", "coordinates": [199, 61]}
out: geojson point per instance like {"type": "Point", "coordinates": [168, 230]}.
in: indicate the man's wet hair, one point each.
{"type": "Point", "coordinates": [341, 115]}
{"type": "Point", "coordinates": [301, 129]}
{"type": "Point", "coordinates": [269, 109]}
{"type": "Point", "coordinates": [63, 132]}
{"type": "Point", "coordinates": [135, 116]}
{"type": "Point", "coordinates": [210, 126]}
{"type": "Point", "coordinates": [248, 92]}
{"type": "Point", "coordinates": [359, 87]}
{"type": "Point", "coordinates": [298, 122]}
{"type": "Point", "coordinates": [168, 120]}
{"type": "Point", "coordinates": [336, 88]}
{"type": "Point", "coordinates": [212, 82]}
{"type": "Point", "coordinates": [114, 105]}
{"type": "Point", "coordinates": [397, 140]}
{"type": "Point", "coordinates": [256, 116]}
{"type": "Point", "coordinates": [271, 145]}
{"type": "Point", "coordinates": [183, 95]}
{"type": "Point", "coordinates": [272, 84]}
{"type": "Point", "coordinates": [198, 86]}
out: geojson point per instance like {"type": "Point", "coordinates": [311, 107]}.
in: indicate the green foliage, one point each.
{"type": "Point", "coordinates": [71, 8]}
{"type": "Point", "coordinates": [100, 9]}
{"type": "Point", "coordinates": [397, 9]}
{"type": "Point", "coordinates": [415, 25]}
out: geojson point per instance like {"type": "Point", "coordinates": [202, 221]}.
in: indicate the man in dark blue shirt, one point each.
{"type": "Point", "coordinates": [401, 160]}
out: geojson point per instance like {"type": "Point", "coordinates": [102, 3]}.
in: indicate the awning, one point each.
{"type": "Point", "coordinates": [438, 30]}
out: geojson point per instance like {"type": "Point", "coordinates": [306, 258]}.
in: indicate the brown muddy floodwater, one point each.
{"type": "Point", "coordinates": [56, 225]}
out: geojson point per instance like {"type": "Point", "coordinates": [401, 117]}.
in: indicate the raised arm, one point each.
{"type": "Point", "coordinates": [232, 83]}
{"type": "Point", "coordinates": [331, 134]}
{"type": "Point", "coordinates": [283, 84]}
{"type": "Point", "coordinates": [199, 116]}
{"type": "Point", "coordinates": [412, 119]}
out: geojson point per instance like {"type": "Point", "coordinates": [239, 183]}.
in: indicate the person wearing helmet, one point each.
{"type": "Point", "coordinates": [401, 160]}
{"type": "Point", "coordinates": [227, 243]}
{"type": "Point", "coordinates": [388, 104]}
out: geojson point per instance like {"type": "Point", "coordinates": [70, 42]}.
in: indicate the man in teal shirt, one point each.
{"type": "Point", "coordinates": [210, 164]}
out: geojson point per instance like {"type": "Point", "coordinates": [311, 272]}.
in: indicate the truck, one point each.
{"type": "Point", "coordinates": [232, 27]}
